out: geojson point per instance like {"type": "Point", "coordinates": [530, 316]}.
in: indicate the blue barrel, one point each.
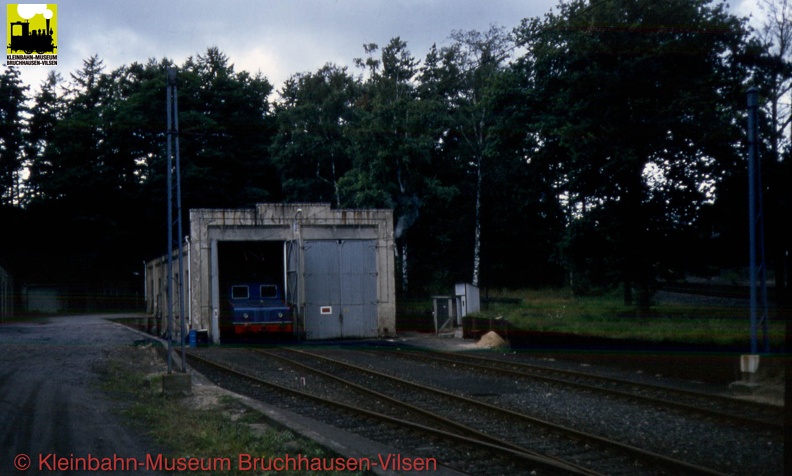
{"type": "Point", "coordinates": [193, 338]}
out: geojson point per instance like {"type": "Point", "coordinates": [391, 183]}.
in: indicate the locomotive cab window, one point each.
{"type": "Point", "coordinates": [239, 292]}
{"type": "Point", "coordinates": [269, 291]}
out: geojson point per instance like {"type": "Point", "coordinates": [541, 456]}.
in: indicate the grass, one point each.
{"type": "Point", "coordinates": [226, 429]}
{"type": "Point", "coordinates": [558, 310]}
{"type": "Point", "coordinates": [24, 318]}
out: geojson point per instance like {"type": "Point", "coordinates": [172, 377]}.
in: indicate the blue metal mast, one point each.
{"type": "Point", "coordinates": [756, 228]}
{"type": "Point", "coordinates": [173, 130]}
{"type": "Point", "coordinates": [169, 249]}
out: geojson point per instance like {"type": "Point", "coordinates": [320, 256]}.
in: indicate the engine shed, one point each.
{"type": "Point", "coordinates": [334, 268]}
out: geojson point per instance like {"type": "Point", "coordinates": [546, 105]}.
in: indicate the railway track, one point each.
{"type": "Point", "coordinates": [718, 407]}
{"type": "Point", "coordinates": [373, 417]}
{"type": "Point", "coordinates": [585, 449]}
{"type": "Point", "coordinates": [473, 417]}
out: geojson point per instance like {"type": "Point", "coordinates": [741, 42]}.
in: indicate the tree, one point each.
{"type": "Point", "coordinates": [441, 233]}
{"type": "Point", "coordinates": [67, 188]}
{"type": "Point", "coordinates": [96, 156]}
{"type": "Point", "coordinates": [225, 130]}
{"type": "Point", "coordinates": [776, 74]}
{"type": "Point", "coordinates": [312, 147]}
{"type": "Point", "coordinates": [637, 104]}
{"type": "Point", "coordinates": [47, 111]}
{"type": "Point", "coordinates": [477, 59]}
{"type": "Point", "coordinates": [389, 144]}
{"type": "Point", "coordinates": [75, 147]}
{"type": "Point", "coordinates": [12, 109]}
{"type": "Point", "coordinates": [773, 76]}
{"type": "Point", "coordinates": [522, 219]}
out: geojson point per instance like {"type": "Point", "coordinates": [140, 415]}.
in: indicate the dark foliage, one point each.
{"type": "Point", "coordinates": [599, 146]}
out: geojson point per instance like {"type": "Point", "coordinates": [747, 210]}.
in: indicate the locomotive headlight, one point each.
{"type": "Point", "coordinates": [245, 315]}
{"type": "Point", "coordinates": [280, 314]}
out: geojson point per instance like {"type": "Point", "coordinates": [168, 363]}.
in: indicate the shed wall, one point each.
{"type": "Point", "coordinates": [294, 225]}
{"type": "Point", "coordinates": [156, 282]}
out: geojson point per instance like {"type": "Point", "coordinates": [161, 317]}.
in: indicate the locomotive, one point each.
{"type": "Point", "coordinates": [35, 41]}
{"type": "Point", "coordinates": [259, 307]}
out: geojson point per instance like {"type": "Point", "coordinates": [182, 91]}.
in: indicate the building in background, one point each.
{"type": "Point", "coordinates": [334, 268]}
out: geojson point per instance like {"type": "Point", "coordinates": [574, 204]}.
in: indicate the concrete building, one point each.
{"type": "Point", "coordinates": [43, 298]}
{"type": "Point", "coordinates": [335, 266]}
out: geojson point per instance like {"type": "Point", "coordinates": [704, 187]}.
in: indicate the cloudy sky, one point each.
{"type": "Point", "coordinates": [277, 37]}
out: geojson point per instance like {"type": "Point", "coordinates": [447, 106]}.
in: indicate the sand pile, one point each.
{"type": "Point", "coordinates": [491, 340]}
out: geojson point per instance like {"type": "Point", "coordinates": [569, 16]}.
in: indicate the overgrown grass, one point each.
{"type": "Point", "coordinates": [558, 310]}
{"type": "Point", "coordinates": [225, 430]}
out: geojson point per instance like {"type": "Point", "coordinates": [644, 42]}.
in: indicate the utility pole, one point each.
{"type": "Point", "coordinates": [174, 174]}
{"type": "Point", "coordinates": [756, 228]}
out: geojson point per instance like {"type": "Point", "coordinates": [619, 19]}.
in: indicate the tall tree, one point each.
{"type": "Point", "coordinates": [77, 142]}
{"type": "Point", "coordinates": [68, 155]}
{"type": "Point", "coordinates": [389, 144]}
{"type": "Point", "coordinates": [396, 138]}
{"type": "Point", "coordinates": [519, 197]}
{"type": "Point", "coordinates": [478, 58]}
{"type": "Point", "coordinates": [442, 234]}
{"type": "Point", "coordinates": [225, 129]}
{"type": "Point", "coordinates": [96, 156]}
{"type": "Point", "coordinates": [312, 147]}
{"type": "Point", "coordinates": [12, 109]}
{"type": "Point", "coordinates": [773, 76]}
{"type": "Point", "coordinates": [637, 99]}
{"type": "Point", "coordinates": [47, 111]}
{"type": "Point", "coordinates": [776, 75]}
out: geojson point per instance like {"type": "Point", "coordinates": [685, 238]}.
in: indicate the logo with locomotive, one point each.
{"type": "Point", "coordinates": [32, 34]}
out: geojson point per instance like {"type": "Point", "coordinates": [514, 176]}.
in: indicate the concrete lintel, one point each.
{"type": "Point", "coordinates": [249, 233]}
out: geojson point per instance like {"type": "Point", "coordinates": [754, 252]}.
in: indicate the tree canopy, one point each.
{"type": "Point", "coordinates": [640, 101]}
{"type": "Point", "coordinates": [600, 146]}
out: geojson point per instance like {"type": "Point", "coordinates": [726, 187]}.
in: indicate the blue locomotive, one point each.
{"type": "Point", "coordinates": [257, 307]}
{"type": "Point", "coordinates": [31, 41]}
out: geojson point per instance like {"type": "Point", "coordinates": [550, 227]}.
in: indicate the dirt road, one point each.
{"type": "Point", "coordinates": [54, 417]}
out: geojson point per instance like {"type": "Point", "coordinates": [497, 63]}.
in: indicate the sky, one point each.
{"type": "Point", "coordinates": [279, 38]}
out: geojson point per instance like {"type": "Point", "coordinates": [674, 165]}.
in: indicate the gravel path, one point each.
{"type": "Point", "coordinates": [51, 405]}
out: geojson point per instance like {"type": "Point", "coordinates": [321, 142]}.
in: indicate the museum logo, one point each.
{"type": "Point", "coordinates": [32, 34]}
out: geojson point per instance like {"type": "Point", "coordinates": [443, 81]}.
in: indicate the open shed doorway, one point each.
{"type": "Point", "coordinates": [252, 263]}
